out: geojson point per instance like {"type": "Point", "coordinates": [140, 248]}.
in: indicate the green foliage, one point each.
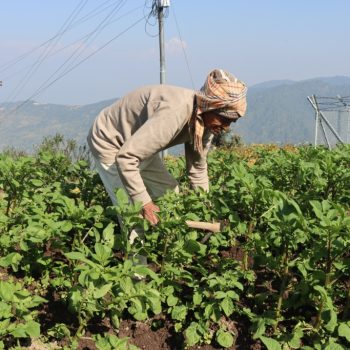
{"type": "Point", "coordinates": [280, 264]}
{"type": "Point", "coordinates": [17, 317]}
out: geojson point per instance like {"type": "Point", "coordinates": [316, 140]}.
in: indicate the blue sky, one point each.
{"type": "Point", "coordinates": [257, 40]}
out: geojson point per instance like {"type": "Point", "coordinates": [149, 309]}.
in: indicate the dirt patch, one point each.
{"type": "Point", "coordinates": [144, 337]}
{"type": "Point", "coordinates": [237, 253]}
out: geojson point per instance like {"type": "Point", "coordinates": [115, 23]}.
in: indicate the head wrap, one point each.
{"type": "Point", "coordinates": [221, 93]}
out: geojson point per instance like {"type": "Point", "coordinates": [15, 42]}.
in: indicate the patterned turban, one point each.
{"type": "Point", "coordinates": [223, 94]}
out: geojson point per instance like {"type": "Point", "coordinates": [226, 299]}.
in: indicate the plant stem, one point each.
{"type": "Point", "coordinates": [347, 307]}
{"type": "Point", "coordinates": [329, 261]}
{"type": "Point", "coordinates": [327, 280]}
{"type": "Point", "coordinates": [164, 253]}
{"type": "Point", "coordinates": [245, 250]}
{"type": "Point", "coordinates": [283, 287]}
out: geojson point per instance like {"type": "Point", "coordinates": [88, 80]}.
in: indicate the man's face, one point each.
{"type": "Point", "coordinates": [215, 123]}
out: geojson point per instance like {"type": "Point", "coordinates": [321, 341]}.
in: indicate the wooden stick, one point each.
{"type": "Point", "coordinates": [208, 226]}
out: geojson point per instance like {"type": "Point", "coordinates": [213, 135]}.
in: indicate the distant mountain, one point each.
{"type": "Point", "coordinates": [278, 112]}
{"type": "Point", "coordinates": [25, 127]}
{"type": "Point", "coordinates": [272, 84]}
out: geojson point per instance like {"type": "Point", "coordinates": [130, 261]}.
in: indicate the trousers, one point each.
{"type": "Point", "coordinates": [155, 176]}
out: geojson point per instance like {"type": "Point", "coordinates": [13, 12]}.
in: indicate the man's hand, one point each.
{"type": "Point", "coordinates": [149, 211]}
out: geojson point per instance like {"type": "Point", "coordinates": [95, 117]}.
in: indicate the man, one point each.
{"type": "Point", "coordinates": [126, 137]}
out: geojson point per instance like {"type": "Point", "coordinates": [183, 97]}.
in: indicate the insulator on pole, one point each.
{"type": "Point", "coordinates": [163, 3]}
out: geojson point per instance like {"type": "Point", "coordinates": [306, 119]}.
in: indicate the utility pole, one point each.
{"type": "Point", "coordinates": [159, 6]}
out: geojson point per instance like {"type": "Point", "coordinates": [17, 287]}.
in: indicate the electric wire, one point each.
{"type": "Point", "coordinates": [42, 89]}
{"type": "Point", "coordinates": [88, 16]}
{"type": "Point", "coordinates": [183, 48]}
{"type": "Point", "coordinates": [333, 104]}
{"type": "Point", "coordinates": [83, 46]}
{"type": "Point", "coordinates": [73, 43]}
{"type": "Point", "coordinates": [47, 51]}
{"type": "Point", "coordinates": [152, 12]}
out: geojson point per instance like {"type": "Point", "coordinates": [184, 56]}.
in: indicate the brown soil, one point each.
{"type": "Point", "coordinates": [236, 253]}
{"type": "Point", "coordinates": [165, 338]}
{"type": "Point", "coordinates": [141, 334]}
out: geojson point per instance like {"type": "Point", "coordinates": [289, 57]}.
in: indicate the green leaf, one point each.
{"type": "Point", "coordinates": [208, 311]}
{"type": "Point", "coordinates": [192, 336]}
{"type": "Point", "coordinates": [102, 253]}
{"type": "Point", "coordinates": [227, 306]}
{"type": "Point", "coordinates": [317, 207]}
{"type": "Point", "coordinates": [12, 259]}
{"type": "Point", "coordinates": [7, 291]}
{"type": "Point", "coordinates": [32, 328]}
{"type": "Point", "coordinates": [81, 257]}
{"type": "Point", "coordinates": [260, 328]}
{"type": "Point", "coordinates": [220, 295]}
{"type": "Point", "coordinates": [156, 305]}
{"type": "Point", "coordinates": [36, 182]}
{"type": "Point", "coordinates": [179, 313]}
{"type": "Point", "coordinates": [19, 331]}
{"type": "Point", "coordinates": [4, 325]}
{"type": "Point", "coordinates": [108, 235]}
{"type": "Point", "coordinates": [333, 320]}
{"type": "Point", "coordinates": [74, 298]}
{"type": "Point", "coordinates": [145, 271]}
{"type": "Point", "coordinates": [295, 339]}
{"type": "Point", "coordinates": [66, 226]}
{"type": "Point", "coordinates": [115, 318]}
{"type": "Point", "coordinates": [75, 256]}
{"type": "Point", "coordinates": [197, 298]}
{"type": "Point", "coordinates": [334, 346]}
{"type": "Point", "coordinates": [344, 331]}
{"type": "Point", "coordinates": [270, 343]}
{"type": "Point", "coordinates": [224, 338]}
{"type": "Point", "coordinates": [172, 300]}
{"type": "Point", "coordinates": [122, 197]}
{"type": "Point", "coordinates": [101, 292]}
{"type": "Point", "coordinates": [233, 295]}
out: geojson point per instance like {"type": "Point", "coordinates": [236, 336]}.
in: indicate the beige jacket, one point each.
{"type": "Point", "coordinates": [143, 123]}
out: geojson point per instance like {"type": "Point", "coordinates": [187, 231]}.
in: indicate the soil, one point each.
{"type": "Point", "coordinates": [154, 334]}
{"type": "Point", "coordinates": [141, 334]}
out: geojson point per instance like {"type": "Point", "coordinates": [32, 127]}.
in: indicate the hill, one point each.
{"type": "Point", "coordinates": [278, 112]}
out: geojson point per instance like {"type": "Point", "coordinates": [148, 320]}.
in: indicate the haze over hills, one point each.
{"type": "Point", "coordinates": [278, 112]}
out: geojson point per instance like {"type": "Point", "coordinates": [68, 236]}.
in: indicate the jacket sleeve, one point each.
{"type": "Point", "coordinates": [196, 164]}
{"type": "Point", "coordinates": [152, 137]}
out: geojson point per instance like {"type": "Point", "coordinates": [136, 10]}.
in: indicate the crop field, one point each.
{"type": "Point", "coordinates": [276, 277]}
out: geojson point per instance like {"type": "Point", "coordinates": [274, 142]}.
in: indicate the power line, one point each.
{"type": "Point", "coordinates": [183, 49]}
{"type": "Point", "coordinates": [152, 12]}
{"type": "Point", "coordinates": [76, 41]}
{"type": "Point", "coordinates": [83, 45]}
{"type": "Point", "coordinates": [47, 50]}
{"type": "Point", "coordinates": [88, 16]}
{"type": "Point", "coordinates": [42, 89]}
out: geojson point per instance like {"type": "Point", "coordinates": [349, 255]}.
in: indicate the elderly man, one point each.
{"type": "Point", "coordinates": [126, 137]}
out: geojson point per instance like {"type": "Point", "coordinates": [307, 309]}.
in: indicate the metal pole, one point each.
{"type": "Point", "coordinates": [317, 116]}
{"type": "Point", "coordinates": [339, 119]}
{"type": "Point", "coordinates": [161, 43]}
{"type": "Point", "coordinates": [315, 105]}
{"type": "Point", "coordinates": [160, 7]}
{"type": "Point", "coordinates": [348, 133]}
{"type": "Point", "coordinates": [331, 127]}
{"type": "Point", "coordinates": [325, 134]}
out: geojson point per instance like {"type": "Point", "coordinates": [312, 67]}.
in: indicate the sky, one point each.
{"type": "Point", "coordinates": [84, 51]}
